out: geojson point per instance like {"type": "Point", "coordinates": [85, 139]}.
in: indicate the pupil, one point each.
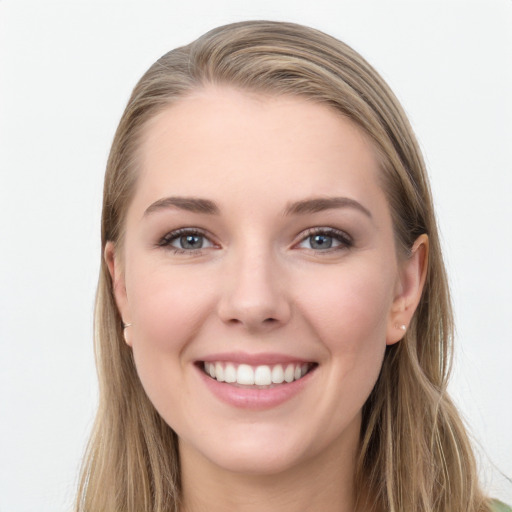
{"type": "Point", "coordinates": [321, 242]}
{"type": "Point", "coordinates": [191, 241]}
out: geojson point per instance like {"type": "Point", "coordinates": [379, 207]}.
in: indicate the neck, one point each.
{"type": "Point", "coordinates": [324, 482]}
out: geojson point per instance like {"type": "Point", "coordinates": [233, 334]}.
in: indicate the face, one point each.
{"type": "Point", "coordinates": [260, 275]}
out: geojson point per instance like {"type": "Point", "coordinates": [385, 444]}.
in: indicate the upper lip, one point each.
{"type": "Point", "coordinates": [253, 359]}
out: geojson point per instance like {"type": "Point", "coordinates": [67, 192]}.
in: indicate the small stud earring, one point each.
{"type": "Point", "coordinates": [401, 327]}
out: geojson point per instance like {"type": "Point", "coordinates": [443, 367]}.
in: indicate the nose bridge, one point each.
{"type": "Point", "coordinates": [253, 293]}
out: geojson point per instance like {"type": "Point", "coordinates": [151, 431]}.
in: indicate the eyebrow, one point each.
{"type": "Point", "coordinates": [189, 204]}
{"type": "Point", "coordinates": [206, 206]}
{"type": "Point", "coordinates": [316, 205]}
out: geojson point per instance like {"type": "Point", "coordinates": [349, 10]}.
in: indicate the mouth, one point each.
{"type": "Point", "coordinates": [263, 376]}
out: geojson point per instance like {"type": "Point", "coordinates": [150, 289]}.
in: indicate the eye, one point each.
{"type": "Point", "coordinates": [185, 241]}
{"type": "Point", "coordinates": [325, 239]}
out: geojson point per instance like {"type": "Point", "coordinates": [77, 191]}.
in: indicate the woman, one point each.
{"type": "Point", "coordinates": [273, 317]}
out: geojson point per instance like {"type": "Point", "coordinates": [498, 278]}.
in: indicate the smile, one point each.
{"type": "Point", "coordinates": [256, 376]}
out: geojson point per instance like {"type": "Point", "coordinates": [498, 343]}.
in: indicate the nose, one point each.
{"type": "Point", "coordinates": [254, 292]}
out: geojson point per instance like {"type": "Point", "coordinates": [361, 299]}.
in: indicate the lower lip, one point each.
{"type": "Point", "coordinates": [256, 399]}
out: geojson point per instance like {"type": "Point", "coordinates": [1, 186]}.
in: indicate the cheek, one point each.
{"type": "Point", "coordinates": [349, 309]}
{"type": "Point", "coordinates": [348, 315]}
{"type": "Point", "coordinates": [167, 310]}
{"type": "Point", "coordinates": [167, 313]}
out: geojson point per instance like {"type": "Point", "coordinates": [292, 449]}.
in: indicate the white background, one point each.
{"type": "Point", "coordinates": [66, 71]}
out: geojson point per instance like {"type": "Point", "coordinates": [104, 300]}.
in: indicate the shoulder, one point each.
{"type": "Point", "coordinates": [498, 506]}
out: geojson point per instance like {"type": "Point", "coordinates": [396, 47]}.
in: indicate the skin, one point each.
{"type": "Point", "coordinates": [258, 285]}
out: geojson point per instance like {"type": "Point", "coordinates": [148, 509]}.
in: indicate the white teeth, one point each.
{"type": "Point", "coordinates": [289, 373]}
{"type": "Point", "coordinates": [245, 375]}
{"type": "Point", "coordinates": [230, 373]}
{"type": "Point", "coordinates": [277, 374]}
{"type": "Point", "coordinates": [219, 372]}
{"type": "Point", "coordinates": [262, 375]}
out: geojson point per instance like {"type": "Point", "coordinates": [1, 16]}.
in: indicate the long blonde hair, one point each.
{"type": "Point", "coordinates": [414, 454]}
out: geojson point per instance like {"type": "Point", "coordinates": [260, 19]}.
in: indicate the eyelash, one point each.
{"type": "Point", "coordinates": [345, 241]}
{"type": "Point", "coordinates": [169, 238]}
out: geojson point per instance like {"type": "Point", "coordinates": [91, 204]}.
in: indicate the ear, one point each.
{"type": "Point", "coordinates": [411, 280]}
{"type": "Point", "coordinates": [116, 271]}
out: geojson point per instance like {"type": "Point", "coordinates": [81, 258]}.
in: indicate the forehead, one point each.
{"type": "Point", "coordinates": [220, 142]}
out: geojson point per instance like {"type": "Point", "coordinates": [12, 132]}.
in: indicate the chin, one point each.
{"type": "Point", "coordinates": [255, 461]}
{"type": "Point", "coordinates": [262, 451]}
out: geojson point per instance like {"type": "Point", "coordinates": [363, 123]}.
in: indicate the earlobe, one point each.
{"type": "Point", "coordinates": [412, 277]}
{"type": "Point", "coordinates": [118, 283]}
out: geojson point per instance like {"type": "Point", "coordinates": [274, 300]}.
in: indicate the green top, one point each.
{"type": "Point", "coordinates": [498, 506]}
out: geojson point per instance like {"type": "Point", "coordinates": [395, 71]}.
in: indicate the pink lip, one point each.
{"type": "Point", "coordinates": [254, 399]}
{"type": "Point", "coordinates": [253, 359]}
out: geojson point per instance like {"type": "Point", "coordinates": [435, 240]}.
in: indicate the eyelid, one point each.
{"type": "Point", "coordinates": [345, 240]}
{"type": "Point", "coordinates": [167, 240]}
